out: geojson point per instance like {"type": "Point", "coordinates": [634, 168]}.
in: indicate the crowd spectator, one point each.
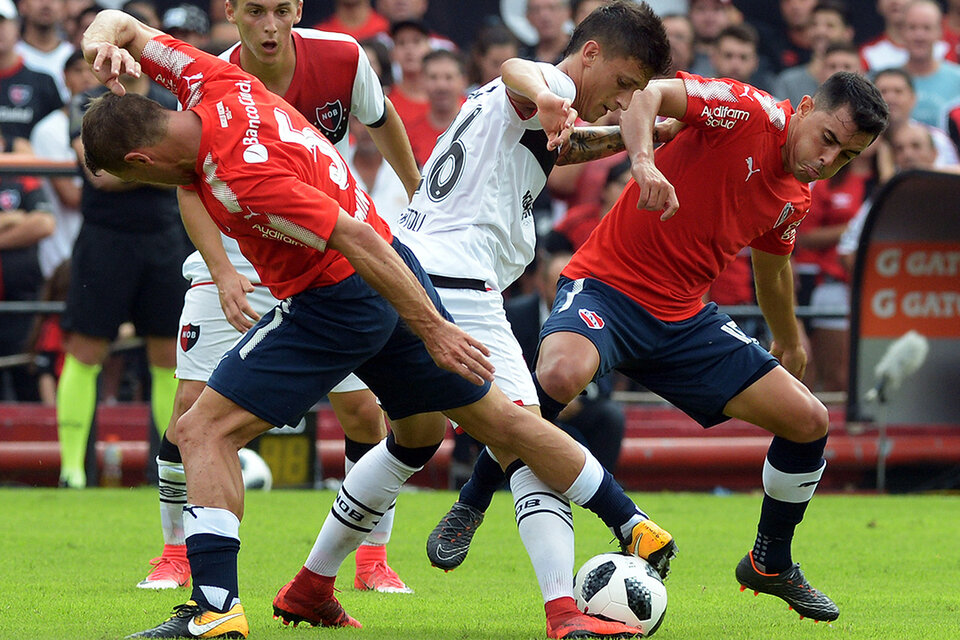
{"type": "Point", "coordinates": [41, 41]}
{"type": "Point", "coordinates": [375, 175]}
{"type": "Point", "coordinates": [355, 18]}
{"type": "Point", "coordinates": [45, 344]}
{"type": "Point", "coordinates": [834, 203]}
{"type": "Point", "coordinates": [445, 81]}
{"type": "Point", "coordinates": [680, 33]}
{"type": "Point", "coordinates": [842, 56]}
{"type": "Point", "coordinates": [143, 10]}
{"type": "Point", "coordinates": [411, 42]}
{"type": "Point", "coordinates": [494, 45]}
{"type": "Point", "coordinates": [416, 10]}
{"type": "Point", "coordinates": [896, 87]}
{"type": "Point", "coordinates": [188, 23]}
{"type": "Point", "coordinates": [26, 96]}
{"type": "Point", "coordinates": [951, 28]}
{"type": "Point", "coordinates": [551, 21]}
{"type": "Point", "coordinates": [25, 219]}
{"type": "Point", "coordinates": [709, 18]}
{"type": "Point", "coordinates": [936, 81]}
{"type": "Point", "coordinates": [580, 220]}
{"type": "Point", "coordinates": [379, 57]}
{"type": "Point", "coordinates": [80, 21]}
{"type": "Point", "coordinates": [793, 47]}
{"type": "Point", "coordinates": [829, 23]}
{"type": "Point", "coordinates": [735, 55]}
{"type": "Point", "coordinates": [50, 140]}
{"type": "Point", "coordinates": [889, 49]}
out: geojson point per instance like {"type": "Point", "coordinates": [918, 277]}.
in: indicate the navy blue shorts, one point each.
{"type": "Point", "coordinates": [309, 342]}
{"type": "Point", "coordinates": [698, 364]}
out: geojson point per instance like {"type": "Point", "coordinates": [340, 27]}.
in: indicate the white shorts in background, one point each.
{"type": "Point", "coordinates": [831, 294]}
{"type": "Point", "coordinates": [205, 334]}
{"type": "Point", "coordinates": [481, 314]}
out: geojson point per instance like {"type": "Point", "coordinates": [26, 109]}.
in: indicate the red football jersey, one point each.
{"type": "Point", "coordinates": [349, 83]}
{"type": "Point", "coordinates": [733, 191]}
{"type": "Point", "coordinates": [266, 176]}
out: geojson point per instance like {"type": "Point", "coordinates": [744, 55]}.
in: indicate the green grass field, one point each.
{"type": "Point", "coordinates": [70, 561]}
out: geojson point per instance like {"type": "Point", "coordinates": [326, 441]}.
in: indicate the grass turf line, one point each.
{"type": "Point", "coordinates": [71, 560]}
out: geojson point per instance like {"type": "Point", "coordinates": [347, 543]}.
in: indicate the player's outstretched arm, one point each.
{"type": "Point", "coordinates": [232, 286]}
{"type": "Point", "coordinates": [381, 267]}
{"type": "Point", "coordinates": [773, 278]}
{"type": "Point", "coordinates": [112, 45]}
{"type": "Point", "coordinates": [391, 139]}
{"type": "Point", "coordinates": [637, 124]}
{"type": "Point", "coordinates": [529, 92]}
{"type": "Point", "coordinates": [591, 143]}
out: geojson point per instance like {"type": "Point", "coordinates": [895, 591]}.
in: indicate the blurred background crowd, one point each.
{"type": "Point", "coordinates": [429, 56]}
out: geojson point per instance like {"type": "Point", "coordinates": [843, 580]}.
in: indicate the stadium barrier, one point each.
{"type": "Point", "coordinates": [663, 450]}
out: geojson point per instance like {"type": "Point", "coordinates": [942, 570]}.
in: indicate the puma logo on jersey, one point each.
{"type": "Point", "coordinates": [750, 169]}
{"type": "Point", "coordinates": [193, 81]}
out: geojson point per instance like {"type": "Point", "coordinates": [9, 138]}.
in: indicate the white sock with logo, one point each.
{"type": "Point", "coordinates": [380, 535]}
{"type": "Point", "coordinates": [365, 496]}
{"type": "Point", "coordinates": [172, 487]}
{"type": "Point", "coordinates": [545, 524]}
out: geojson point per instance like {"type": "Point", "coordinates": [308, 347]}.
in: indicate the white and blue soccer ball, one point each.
{"type": "Point", "coordinates": [622, 588]}
{"type": "Point", "coordinates": [256, 471]}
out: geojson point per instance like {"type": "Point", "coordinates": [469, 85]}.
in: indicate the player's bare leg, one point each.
{"type": "Point", "coordinates": [779, 403]}
{"type": "Point", "coordinates": [364, 425]}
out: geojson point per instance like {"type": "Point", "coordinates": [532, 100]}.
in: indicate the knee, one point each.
{"type": "Point", "coordinates": [813, 421]}
{"type": "Point", "coordinates": [562, 378]}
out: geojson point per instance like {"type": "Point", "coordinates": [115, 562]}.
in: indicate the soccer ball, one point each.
{"type": "Point", "coordinates": [622, 588]}
{"type": "Point", "coordinates": [256, 471]}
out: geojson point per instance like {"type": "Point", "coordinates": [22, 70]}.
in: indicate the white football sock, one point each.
{"type": "Point", "coordinates": [172, 487]}
{"type": "Point", "coordinates": [364, 497]}
{"type": "Point", "coordinates": [545, 523]}
{"type": "Point", "coordinates": [380, 535]}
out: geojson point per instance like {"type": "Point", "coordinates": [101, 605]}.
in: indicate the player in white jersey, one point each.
{"type": "Point", "coordinates": [470, 223]}
{"type": "Point", "coordinates": [227, 297]}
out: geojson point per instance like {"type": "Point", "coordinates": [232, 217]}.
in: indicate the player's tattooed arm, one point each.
{"type": "Point", "coordinates": [591, 143]}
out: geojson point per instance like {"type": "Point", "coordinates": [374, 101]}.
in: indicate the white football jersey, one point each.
{"type": "Point", "coordinates": [365, 101]}
{"type": "Point", "coordinates": [472, 216]}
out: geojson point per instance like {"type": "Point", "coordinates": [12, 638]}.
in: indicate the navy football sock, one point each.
{"type": "Point", "coordinates": [790, 476]}
{"type": "Point", "coordinates": [483, 483]}
{"type": "Point", "coordinates": [212, 548]}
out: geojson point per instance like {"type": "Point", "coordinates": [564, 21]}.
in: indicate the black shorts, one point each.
{"type": "Point", "coordinates": [119, 276]}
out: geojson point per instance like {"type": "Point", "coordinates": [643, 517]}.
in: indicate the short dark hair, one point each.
{"type": "Point", "coordinates": [867, 107]}
{"type": "Point", "coordinates": [833, 6]}
{"type": "Point", "coordinates": [444, 54]}
{"type": "Point", "coordinates": [625, 29]}
{"type": "Point", "coordinates": [743, 32]}
{"type": "Point", "coordinates": [897, 72]}
{"type": "Point", "coordinates": [113, 126]}
{"type": "Point", "coordinates": [840, 45]}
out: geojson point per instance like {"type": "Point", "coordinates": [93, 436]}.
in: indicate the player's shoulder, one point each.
{"type": "Point", "coordinates": [319, 38]}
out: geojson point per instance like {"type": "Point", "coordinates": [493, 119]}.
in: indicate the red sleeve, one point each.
{"type": "Point", "coordinates": [181, 68]}
{"type": "Point", "coordinates": [725, 105]}
{"type": "Point", "coordinates": [780, 240]}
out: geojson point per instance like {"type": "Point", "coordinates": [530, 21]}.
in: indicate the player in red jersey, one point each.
{"type": "Point", "coordinates": [327, 77]}
{"type": "Point", "coordinates": [735, 175]}
{"type": "Point", "coordinates": [276, 185]}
